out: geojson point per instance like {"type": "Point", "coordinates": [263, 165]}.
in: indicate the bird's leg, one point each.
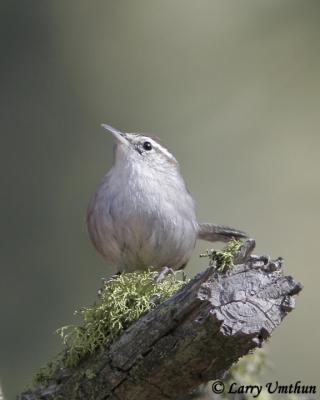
{"type": "Point", "coordinates": [107, 281]}
{"type": "Point", "coordinates": [159, 276]}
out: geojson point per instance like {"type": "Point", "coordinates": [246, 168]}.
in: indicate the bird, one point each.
{"type": "Point", "coordinates": [142, 216]}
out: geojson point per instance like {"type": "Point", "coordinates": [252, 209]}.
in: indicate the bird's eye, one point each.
{"type": "Point", "coordinates": [147, 146]}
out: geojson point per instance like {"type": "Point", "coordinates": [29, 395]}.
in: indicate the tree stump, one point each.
{"type": "Point", "coordinates": [193, 337]}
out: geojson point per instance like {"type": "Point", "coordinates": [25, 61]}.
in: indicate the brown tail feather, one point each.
{"type": "Point", "coordinates": [219, 233]}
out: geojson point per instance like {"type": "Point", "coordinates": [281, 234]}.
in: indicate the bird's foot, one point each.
{"type": "Point", "coordinates": [160, 276]}
{"type": "Point", "coordinates": [107, 281]}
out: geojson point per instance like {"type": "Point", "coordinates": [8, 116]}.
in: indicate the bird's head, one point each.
{"type": "Point", "coordinates": [141, 150]}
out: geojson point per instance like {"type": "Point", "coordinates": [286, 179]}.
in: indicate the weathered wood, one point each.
{"type": "Point", "coordinates": [191, 338]}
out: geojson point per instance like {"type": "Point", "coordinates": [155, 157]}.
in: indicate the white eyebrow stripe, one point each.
{"type": "Point", "coordinates": [162, 149]}
{"type": "Point", "coordinates": [138, 137]}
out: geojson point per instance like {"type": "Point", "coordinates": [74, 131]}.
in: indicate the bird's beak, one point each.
{"type": "Point", "coordinates": [119, 136]}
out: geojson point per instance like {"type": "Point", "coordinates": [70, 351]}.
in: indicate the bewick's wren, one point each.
{"type": "Point", "coordinates": [142, 215]}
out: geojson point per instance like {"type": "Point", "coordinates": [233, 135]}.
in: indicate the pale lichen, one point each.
{"type": "Point", "coordinates": [223, 259]}
{"type": "Point", "coordinates": [121, 301]}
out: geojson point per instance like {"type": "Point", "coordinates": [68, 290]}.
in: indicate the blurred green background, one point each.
{"type": "Point", "coordinates": [231, 87]}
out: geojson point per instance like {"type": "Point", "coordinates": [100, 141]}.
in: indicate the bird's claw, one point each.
{"type": "Point", "coordinates": [160, 276]}
{"type": "Point", "coordinates": [107, 281]}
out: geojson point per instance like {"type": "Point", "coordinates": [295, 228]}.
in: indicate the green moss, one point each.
{"type": "Point", "coordinates": [121, 301]}
{"type": "Point", "coordinates": [45, 373]}
{"type": "Point", "coordinates": [223, 259]}
{"type": "Point", "coordinates": [90, 374]}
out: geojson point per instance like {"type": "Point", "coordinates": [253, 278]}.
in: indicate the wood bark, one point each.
{"type": "Point", "coordinates": [193, 337]}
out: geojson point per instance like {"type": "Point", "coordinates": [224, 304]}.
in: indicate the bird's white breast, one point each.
{"type": "Point", "coordinates": [140, 219]}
